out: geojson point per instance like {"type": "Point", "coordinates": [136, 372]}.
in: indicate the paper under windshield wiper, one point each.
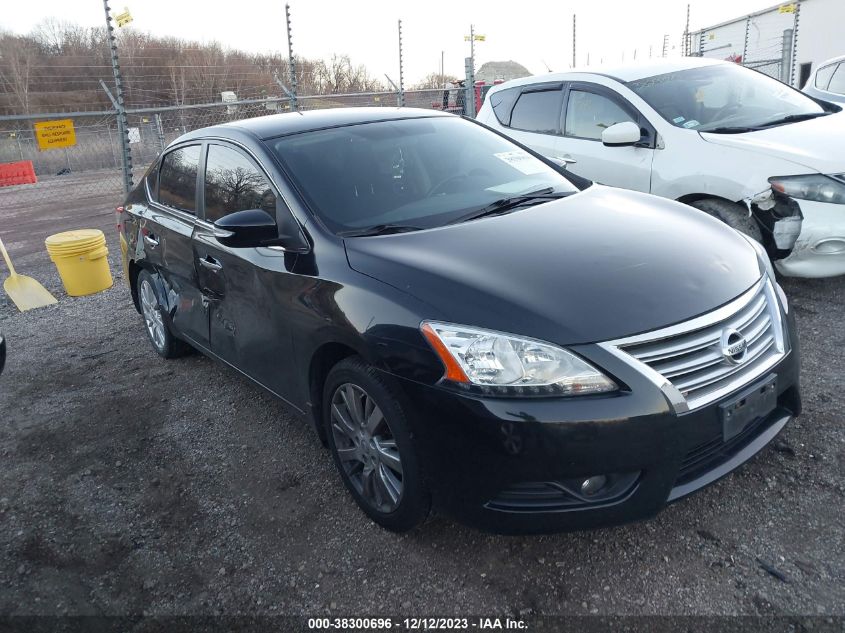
{"type": "Point", "coordinates": [380, 229]}
{"type": "Point", "coordinates": [505, 204]}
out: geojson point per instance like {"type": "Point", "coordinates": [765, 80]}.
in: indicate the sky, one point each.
{"type": "Point", "coordinates": [535, 33]}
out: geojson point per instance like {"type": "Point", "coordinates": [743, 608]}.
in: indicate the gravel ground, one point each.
{"type": "Point", "coordinates": [134, 485]}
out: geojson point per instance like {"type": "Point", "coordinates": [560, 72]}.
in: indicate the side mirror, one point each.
{"type": "Point", "coordinates": [250, 228]}
{"type": "Point", "coordinates": [621, 134]}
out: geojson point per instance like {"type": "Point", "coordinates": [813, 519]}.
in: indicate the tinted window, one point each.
{"type": "Point", "coordinates": [502, 104]}
{"type": "Point", "coordinates": [234, 183]}
{"type": "Point", "coordinates": [589, 114]}
{"type": "Point", "coordinates": [421, 172]}
{"type": "Point", "coordinates": [837, 82]}
{"type": "Point", "coordinates": [823, 76]}
{"type": "Point", "coordinates": [178, 178]}
{"type": "Point", "coordinates": [538, 112]}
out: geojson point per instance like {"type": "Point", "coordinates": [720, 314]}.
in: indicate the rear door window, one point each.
{"type": "Point", "coordinates": [588, 114]}
{"type": "Point", "coordinates": [837, 81]}
{"type": "Point", "coordinates": [538, 111]}
{"type": "Point", "coordinates": [234, 183]}
{"type": "Point", "coordinates": [177, 185]}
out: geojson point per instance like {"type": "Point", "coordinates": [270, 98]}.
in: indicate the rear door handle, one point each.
{"type": "Point", "coordinates": [209, 262]}
{"type": "Point", "coordinates": [151, 240]}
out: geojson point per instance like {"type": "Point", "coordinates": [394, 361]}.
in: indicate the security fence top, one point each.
{"type": "Point", "coordinates": [55, 115]}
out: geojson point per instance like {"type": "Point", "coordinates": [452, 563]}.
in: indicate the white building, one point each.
{"type": "Point", "coordinates": [783, 41]}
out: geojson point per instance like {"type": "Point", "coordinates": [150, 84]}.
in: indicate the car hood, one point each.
{"type": "Point", "coordinates": [817, 144]}
{"type": "Point", "coordinates": [595, 266]}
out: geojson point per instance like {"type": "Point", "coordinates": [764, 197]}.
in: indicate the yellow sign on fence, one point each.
{"type": "Point", "coordinates": [124, 18]}
{"type": "Point", "coordinates": [787, 8]}
{"type": "Point", "coordinates": [55, 134]}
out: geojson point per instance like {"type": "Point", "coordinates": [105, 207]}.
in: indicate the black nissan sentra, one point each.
{"type": "Point", "coordinates": [465, 325]}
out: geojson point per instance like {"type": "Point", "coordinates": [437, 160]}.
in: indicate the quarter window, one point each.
{"type": "Point", "coordinates": [538, 112]}
{"type": "Point", "coordinates": [178, 178]}
{"type": "Point", "coordinates": [837, 82]}
{"type": "Point", "coordinates": [233, 183]}
{"type": "Point", "coordinates": [589, 114]}
{"type": "Point", "coordinates": [823, 76]}
{"type": "Point", "coordinates": [502, 104]}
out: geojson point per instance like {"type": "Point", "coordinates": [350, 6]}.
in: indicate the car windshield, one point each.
{"type": "Point", "coordinates": [723, 97]}
{"type": "Point", "coordinates": [413, 173]}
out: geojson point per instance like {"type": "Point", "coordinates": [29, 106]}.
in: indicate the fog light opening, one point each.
{"type": "Point", "coordinates": [592, 485]}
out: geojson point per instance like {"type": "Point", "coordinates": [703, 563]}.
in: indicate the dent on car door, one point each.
{"type": "Point", "coordinates": [248, 290]}
{"type": "Point", "coordinates": [589, 110]}
{"type": "Point", "coordinates": [166, 232]}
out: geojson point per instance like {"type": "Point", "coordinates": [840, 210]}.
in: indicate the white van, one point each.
{"type": "Point", "coordinates": [730, 141]}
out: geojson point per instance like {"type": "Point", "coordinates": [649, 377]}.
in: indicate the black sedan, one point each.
{"type": "Point", "coordinates": [463, 323]}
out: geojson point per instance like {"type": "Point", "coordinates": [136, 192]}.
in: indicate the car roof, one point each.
{"type": "Point", "coordinates": [274, 125]}
{"type": "Point", "coordinates": [621, 72]}
{"type": "Point", "coordinates": [827, 62]}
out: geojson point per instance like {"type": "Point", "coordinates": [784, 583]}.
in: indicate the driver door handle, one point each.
{"type": "Point", "coordinates": [210, 263]}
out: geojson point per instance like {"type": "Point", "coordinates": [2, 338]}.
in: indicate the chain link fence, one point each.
{"type": "Point", "coordinates": [90, 171]}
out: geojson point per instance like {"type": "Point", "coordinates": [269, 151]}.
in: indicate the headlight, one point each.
{"type": "Point", "coordinates": [810, 187]}
{"type": "Point", "coordinates": [497, 363]}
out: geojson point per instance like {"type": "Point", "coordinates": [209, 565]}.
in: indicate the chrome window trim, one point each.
{"type": "Point", "coordinates": [677, 401]}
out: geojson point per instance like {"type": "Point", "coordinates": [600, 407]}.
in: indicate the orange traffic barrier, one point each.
{"type": "Point", "coordinates": [19, 173]}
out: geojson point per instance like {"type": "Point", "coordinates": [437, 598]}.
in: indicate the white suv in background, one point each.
{"type": "Point", "coordinates": [827, 81]}
{"type": "Point", "coordinates": [730, 141]}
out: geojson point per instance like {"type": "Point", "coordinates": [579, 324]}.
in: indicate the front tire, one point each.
{"type": "Point", "coordinates": [163, 341]}
{"type": "Point", "coordinates": [734, 215]}
{"type": "Point", "coordinates": [372, 446]}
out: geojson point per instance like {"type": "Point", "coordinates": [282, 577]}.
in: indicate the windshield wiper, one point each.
{"type": "Point", "coordinates": [380, 229]}
{"type": "Point", "coordinates": [503, 205]}
{"type": "Point", "coordinates": [730, 130]}
{"type": "Point", "coordinates": [793, 118]}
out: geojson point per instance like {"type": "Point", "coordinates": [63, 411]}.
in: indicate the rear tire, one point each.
{"type": "Point", "coordinates": [373, 447]}
{"type": "Point", "coordinates": [733, 214]}
{"type": "Point", "coordinates": [155, 324]}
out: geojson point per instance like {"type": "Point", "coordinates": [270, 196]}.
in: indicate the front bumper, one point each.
{"type": "Point", "coordinates": [498, 463]}
{"type": "Point", "coordinates": [820, 248]}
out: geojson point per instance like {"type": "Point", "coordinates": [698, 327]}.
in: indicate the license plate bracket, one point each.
{"type": "Point", "coordinates": [754, 402]}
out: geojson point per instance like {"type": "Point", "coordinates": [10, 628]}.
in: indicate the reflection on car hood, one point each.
{"type": "Point", "coordinates": [817, 144]}
{"type": "Point", "coordinates": [598, 265]}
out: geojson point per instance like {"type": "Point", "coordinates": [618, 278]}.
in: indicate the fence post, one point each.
{"type": "Point", "coordinates": [160, 132]}
{"type": "Point", "coordinates": [291, 64]}
{"type": "Point", "coordinates": [785, 57]}
{"type": "Point", "coordinates": [794, 46]}
{"type": "Point", "coordinates": [401, 73]}
{"type": "Point", "coordinates": [122, 123]}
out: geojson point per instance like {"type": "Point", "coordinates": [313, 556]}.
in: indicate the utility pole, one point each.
{"type": "Point", "coordinates": [573, 40]}
{"type": "Point", "coordinates": [122, 123]}
{"type": "Point", "coordinates": [401, 72]}
{"type": "Point", "coordinates": [294, 105]}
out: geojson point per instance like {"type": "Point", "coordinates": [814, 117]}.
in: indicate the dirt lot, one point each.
{"type": "Point", "coordinates": [130, 484]}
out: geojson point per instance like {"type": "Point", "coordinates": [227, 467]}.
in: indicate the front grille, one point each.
{"type": "Point", "coordinates": [691, 355]}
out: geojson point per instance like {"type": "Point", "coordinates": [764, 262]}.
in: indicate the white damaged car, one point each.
{"type": "Point", "coordinates": [748, 149]}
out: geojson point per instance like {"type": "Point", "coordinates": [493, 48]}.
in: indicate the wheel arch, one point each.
{"type": "Point", "coordinates": [695, 197]}
{"type": "Point", "coordinates": [324, 357]}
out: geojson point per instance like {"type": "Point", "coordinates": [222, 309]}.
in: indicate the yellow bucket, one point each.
{"type": "Point", "coordinates": [80, 257]}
